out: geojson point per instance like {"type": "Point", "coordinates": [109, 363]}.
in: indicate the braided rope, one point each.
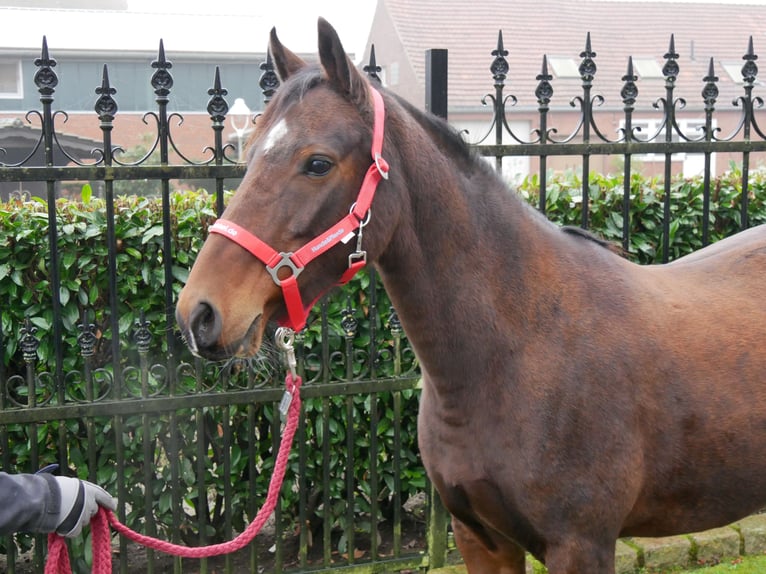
{"type": "Point", "coordinates": [58, 558]}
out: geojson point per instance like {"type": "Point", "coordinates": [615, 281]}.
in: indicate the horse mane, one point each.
{"type": "Point", "coordinates": [444, 133]}
{"type": "Point", "coordinates": [589, 236]}
{"type": "Point", "coordinates": [455, 144]}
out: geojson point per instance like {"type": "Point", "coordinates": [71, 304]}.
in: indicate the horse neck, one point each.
{"type": "Point", "coordinates": [461, 257]}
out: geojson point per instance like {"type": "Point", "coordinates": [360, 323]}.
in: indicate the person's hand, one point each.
{"type": "Point", "coordinates": [79, 502]}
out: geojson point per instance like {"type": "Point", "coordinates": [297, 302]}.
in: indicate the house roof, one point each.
{"type": "Point", "coordinates": [558, 29]}
{"type": "Point", "coordinates": [18, 139]}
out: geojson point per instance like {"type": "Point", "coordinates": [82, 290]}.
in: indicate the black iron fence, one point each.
{"type": "Point", "coordinates": [96, 383]}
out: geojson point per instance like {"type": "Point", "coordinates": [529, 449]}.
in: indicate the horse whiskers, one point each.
{"type": "Point", "coordinates": [267, 362]}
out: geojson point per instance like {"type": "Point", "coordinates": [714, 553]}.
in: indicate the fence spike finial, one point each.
{"type": "Point", "coordinates": [217, 106]}
{"type": "Point", "coordinates": [269, 81]}
{"type": "Point", "coordinates": [372, 68]}
{"type": "Point", "coordinates": [710, 90]}
{"type": "Point", "coordinates": [587, 67]}
{"type": "Point", "coordinates": [499, 67]}
{"type": "Point", "coordinates": [45, 78]}
{"type": "Point", "coordinates": [106, 106]}
{"type": "Point", "coordinates": [544, 90]}
{"type": "Point", "coordinates": [749, 69]}
{"type": "Point", "coordinates": [161, 80]}
{"type": "Point", "coordinates": [670, 69]}
{"type": "Point", "coordinates": [629, 91]}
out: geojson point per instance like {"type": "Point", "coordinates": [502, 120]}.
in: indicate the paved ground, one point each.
{"type": "Point", "coordinates": [747, 536]}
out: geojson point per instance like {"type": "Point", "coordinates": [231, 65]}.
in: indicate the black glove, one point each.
{"type": "Point", "coordinates": [79, 502]}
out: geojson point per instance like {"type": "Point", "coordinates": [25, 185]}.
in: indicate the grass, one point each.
{"type": "Point", "coordinates": [741, 565]}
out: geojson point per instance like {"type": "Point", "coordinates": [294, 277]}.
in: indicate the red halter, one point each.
{"type": "Point", "coordinates": [343, 231]}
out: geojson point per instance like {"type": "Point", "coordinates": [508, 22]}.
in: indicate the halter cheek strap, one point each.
{"type": "Point", "coordinates": [342, 232]}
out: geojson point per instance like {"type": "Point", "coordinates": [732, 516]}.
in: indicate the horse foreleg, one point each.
{"type": "Point", "coordinates": [505, 558]}
{"type": "Point", "coordinates": [578, 556]}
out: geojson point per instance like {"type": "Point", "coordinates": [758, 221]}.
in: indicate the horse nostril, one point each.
{"type": "Point", "coordinates": [205, 325]}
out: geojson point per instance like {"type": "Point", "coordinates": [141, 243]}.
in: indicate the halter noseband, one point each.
{"type": "Point", "coordinates": [343, 231]}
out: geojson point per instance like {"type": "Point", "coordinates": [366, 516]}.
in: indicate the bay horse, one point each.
{"type": "Point", "coordinates": [570, 397]}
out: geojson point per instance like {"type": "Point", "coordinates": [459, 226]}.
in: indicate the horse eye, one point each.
{"type": "Point", "coordinates": [318, 166]}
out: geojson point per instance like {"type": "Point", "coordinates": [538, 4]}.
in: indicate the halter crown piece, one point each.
{"type": "Point", "coordinates": [341, 232]}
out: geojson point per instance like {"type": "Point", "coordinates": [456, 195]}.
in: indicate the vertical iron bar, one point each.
{"type": "Point", "coordinates": [162, 82]}
{"type": "Point", "coordinates": [303, 517]}
{"type": "Point", "coordinates": [749, 73]}
{"type": "Point", "coordinates": [228, 493]}
{"type": "Point", "coordinates": [326, 500]}
{"type": "Point", "coordinates": [5, 455]}
{"type": "Point", "coordinates": [374, 506]}
{"type": "Point", "coordinates": [350, 326]}
{"type": "Point", "coordinates": [46, 81]}
{"type": "Point", "coordinates": [202, 458]}
{"type": "Point", "coordinates": [629, 94]}
{"type": "Point", "coordinates": [499, 69]}
{"type": "Point", "coordinates": [670, 71]}
{"type": "Point", "coordinates": [87, 343]}
{"type": "Point", "coordinates": [252, 473]}
{"type": "Point", "coordinates": [278, 525]}
{"type": "Point", "coordinates": [374, 419]}
{"type": "Point", "coordinates": [218, 108]}
{"type": "Point", "coordinates": [143, 340]}
{"type": "Point", "coordinates": [709, 96]}
{"type": "Point", "coordinates": [587, 73]}
{"type": "Point", "coordinates": [106, 108]}
{"type": "Point", "coordinates": [544, 93]}
{"type": "Point", "coordinates": [397, 464]}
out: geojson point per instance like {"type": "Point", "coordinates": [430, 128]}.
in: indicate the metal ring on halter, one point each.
{"type": "Point", "coordinates": [286, 261]}
{"type": "Point", "coordinates": [382, 166]}
{"type": "Point", "coordinates": [366, 220]}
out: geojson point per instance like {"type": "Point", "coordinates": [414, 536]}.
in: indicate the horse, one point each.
{"type": "Point", "coordinates": [570, 396]}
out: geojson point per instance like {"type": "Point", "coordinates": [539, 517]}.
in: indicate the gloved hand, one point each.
{"type": "Point", "coordinates": [79, 502]}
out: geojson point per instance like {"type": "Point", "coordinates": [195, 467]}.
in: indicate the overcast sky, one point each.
{"type": "Point", "coordinates": [292, 18]}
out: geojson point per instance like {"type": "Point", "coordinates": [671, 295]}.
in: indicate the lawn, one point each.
{"type": "Point", "coordinates": [742, 565]}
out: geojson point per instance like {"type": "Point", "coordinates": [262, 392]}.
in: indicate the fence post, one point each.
{"type": "Point", "coordinates": [436, 103]}
{"type": "Point", "coordinates": [436, 534]}
{"type": "Point", "coordinates": [436, 82]}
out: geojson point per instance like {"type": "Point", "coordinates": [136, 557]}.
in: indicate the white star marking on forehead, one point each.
{"type": "Point", "coordinates": [275, 134]}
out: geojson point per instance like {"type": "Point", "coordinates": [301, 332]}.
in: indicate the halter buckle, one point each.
{"type": "Point", "coordinates": [382, 166]}
{"type": "Point", "coordinates": [286, 261]}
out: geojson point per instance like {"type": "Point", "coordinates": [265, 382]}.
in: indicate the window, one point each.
{"type": "Point", "coordinates": [647, 68]}
{"type": "Point", "coordinates": [564, 67]}
{"type": "Point", "coordinates": [393, 74]}
{"type": "Point", "coordinates": [10, 79]}
{"type": "Point", "coordinates": [734, 70]}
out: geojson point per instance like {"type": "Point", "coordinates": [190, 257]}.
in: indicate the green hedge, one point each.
{"type": "Point", "coordinates": [25, 292]}
{"type": "Point", "coordinates": [564, 206]}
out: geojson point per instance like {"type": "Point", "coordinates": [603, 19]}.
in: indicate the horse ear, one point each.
{"type": "Point", "coordinates": [340, 70]}
{"type": "Point", "coordinates": [286, 62]}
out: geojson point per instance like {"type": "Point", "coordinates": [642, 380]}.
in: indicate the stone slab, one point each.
{"type": "Point", "coordinates": [712, 546]}
{"type": "Point", "coordinates": [753, 530]}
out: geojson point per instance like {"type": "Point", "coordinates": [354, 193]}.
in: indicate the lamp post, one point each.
{"type": "Point", "coordinates": [239, 117]}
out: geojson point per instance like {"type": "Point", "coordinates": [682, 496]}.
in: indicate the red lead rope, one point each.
{"type": "Point", "coordinates": [58, 558]}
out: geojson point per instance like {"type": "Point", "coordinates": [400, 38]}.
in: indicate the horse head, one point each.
{"type": "Point", "coordinates": [293, 228]}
